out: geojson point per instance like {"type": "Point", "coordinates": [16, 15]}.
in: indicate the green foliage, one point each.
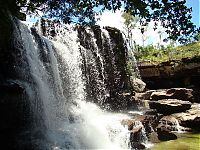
{"type": "Point", "coordinates": [130, 20]}
{"type": "Point", "coordinates": [197, 36]}
{"type": "Point", "coordinates": [174, 15]}
{"type": "Point", "coordinates": [151, 53]}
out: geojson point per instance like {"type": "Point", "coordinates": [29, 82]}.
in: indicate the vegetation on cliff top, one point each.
{"type": "Point", "coordinates": [170, 52]}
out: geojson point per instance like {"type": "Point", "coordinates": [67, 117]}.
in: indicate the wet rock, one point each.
{"type": "Point", "coordinates": [21, 16]}
{"type": "Point", "coordinates": [190, 118]}
{"type": "Point", "coordinates": [129, 123]}
{"type": "Point", "coordinates": [164, 134]}
{"type": "Point", "coordinates": [135, 145]}
{"type": "Point", "coordinates": [170, 106]}
{"type": "Point", "coordinates": [174, 93]}
{"type": "Point", "coordinates": [136, 138]}
{"type": "Point", "coordinates": [172, 124]}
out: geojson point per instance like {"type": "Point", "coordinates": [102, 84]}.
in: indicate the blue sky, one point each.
{"type": "Point", "coordinates": [195, 4]}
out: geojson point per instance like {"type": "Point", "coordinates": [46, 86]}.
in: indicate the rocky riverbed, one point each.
{"type": "Point", "coordinates": [165, 113]}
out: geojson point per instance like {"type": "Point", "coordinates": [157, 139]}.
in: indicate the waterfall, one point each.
{"type": "Point", "coordinates": [104, 66]}
{"type": "Point", "coordinates": [64, 73]}
{"type": "Point", "coordinates": [133, 62]}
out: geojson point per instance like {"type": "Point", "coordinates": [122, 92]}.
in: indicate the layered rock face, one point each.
{"type": "Point", "coordinates": [176, 74]}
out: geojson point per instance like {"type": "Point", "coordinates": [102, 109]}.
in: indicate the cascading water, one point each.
{"type": "Point", "coordinates": [133, 62]}
{"type": "Point", "coordinates": [57, 88]}
{"type": "Point", "coordinates": [104, 67]}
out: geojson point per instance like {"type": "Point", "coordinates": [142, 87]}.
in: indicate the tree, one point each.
{"type": "Point", "coordinates": [173, 14]}
{"type": "Point", "coordinates": [197, 36]}
{"type": "Point", "coordinates": [130, 23]}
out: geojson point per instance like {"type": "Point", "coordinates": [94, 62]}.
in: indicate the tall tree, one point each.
{"type": "Point", "coordinates": [130, 23]}
{"type": "Point", "coordinates": [173, 14]}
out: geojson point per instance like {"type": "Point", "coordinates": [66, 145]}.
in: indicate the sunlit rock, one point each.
{"type": "Point", "coordinates": [170, 106]}
{"type": "Point", "coordinates": [138, 84]}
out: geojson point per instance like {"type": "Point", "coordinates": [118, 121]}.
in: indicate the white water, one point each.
{"type": "Point", "coordinates": [101, 83]}
{"type": "Point", "coordinates": [72, 123]}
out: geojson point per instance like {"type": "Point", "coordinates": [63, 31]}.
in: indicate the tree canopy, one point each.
{"type": "Point", "coordinates": [173, 14]}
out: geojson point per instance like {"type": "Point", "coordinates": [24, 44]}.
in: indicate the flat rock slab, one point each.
{"type": "Point", "coordinates": [173, 93]}
{"type": "Point", "coordinates": [170, 106]}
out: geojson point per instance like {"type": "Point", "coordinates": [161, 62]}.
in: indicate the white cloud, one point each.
{"type": "Point", "coordinates": [112, 19]}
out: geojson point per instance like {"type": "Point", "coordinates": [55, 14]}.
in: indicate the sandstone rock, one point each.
{"type": "Point", "coordinates": [170, 106]}
{"type": "Point", "coordinates": [138, 84]}
{"type": "Point", "coordinates": [190, 118]}
{"type": "Point", "coordinates": [172, 124]}
{"type": "Point", "coordinates": [170, 120]}
{"type": "Point", "coordinates": [144, 96]}
{"type": "Point", "coordinates": [174, 73]}
{"type": "Point", "coordinates": [174, 93]}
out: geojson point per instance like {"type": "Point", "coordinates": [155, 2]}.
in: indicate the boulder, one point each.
{"type": "Point", "coordinates": [137, 146]}
{"type": "Point", "coordinates": [190, 118]}
{"type": "Point", "coordinates": [164, 134]}
{"type": "Point", "coordinates": [170, 106]}
{"type": "Point", "coordinates": [128, 122]}
{"type": "Point", "coordinates": [138, 84]}
{"type": "Point", "coordinates": [136, 138]}
{"type": "Point", "coordinates": [135, 128]}
{"type": "Point", "coordinates": [172, 124]}
{"type": "Point", "coordinates": [192, 123]}
{"type": "Point", "coordinates": [173, 93]}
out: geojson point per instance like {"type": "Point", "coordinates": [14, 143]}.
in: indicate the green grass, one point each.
{"type": "Point", "coordinates": [185, 142]}
{"type": "Point", "coordinates": [150, 53]}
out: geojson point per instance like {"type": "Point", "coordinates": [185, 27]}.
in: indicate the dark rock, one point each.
{"type": "Point", "coordinates": [21, 16]}
{"type": "Point", "coordinates": [136, 134]}
{"type": "Point", "coordinates": [151, 112]}
{"type": "Point", "coordinates": [165, 134]}
{"type": "Point", "coordinates": [170, 106]}
{"type": "Point", "coordinates": [136, 138]}
{"type": "Point", "coordinates": [15, 112]}
{"type": "Point", "coordinates": [192, 123]}
{"type": "Point", "coordinates": [135, 145]}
